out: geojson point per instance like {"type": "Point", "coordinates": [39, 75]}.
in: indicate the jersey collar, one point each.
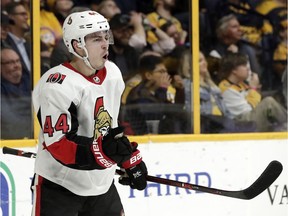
{"type": "Point", "coordinates": [97, 78]}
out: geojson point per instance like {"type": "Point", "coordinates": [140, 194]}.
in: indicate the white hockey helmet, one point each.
{"type": "Point", "coordinates": [77, 25]}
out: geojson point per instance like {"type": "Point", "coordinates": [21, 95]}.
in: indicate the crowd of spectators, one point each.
{"type": "Point", "coordinates": [16, 78]}
{"type": "Point", "coordinates": [152, 48]}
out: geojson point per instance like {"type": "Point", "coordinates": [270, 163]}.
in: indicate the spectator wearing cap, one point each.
{"type": "Point", "coordinates": [121, 52]}
{"type": "Point", "coordinates": [141, 26]}
{"type": "Point", "coordinates": [134, 20]}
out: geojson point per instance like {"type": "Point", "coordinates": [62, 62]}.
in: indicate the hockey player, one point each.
{"type": "Point", "coordinates": [80, 143]}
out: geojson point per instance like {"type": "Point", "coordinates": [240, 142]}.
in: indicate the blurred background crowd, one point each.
{"type": "Point", "coordinates": [242, 63]}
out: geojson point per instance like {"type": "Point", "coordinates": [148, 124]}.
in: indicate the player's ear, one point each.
{"type": "Point", "coordinates": [79, 45]}
{"type": "Point", "coordinates": [76, 45]}
{"type": "Point", "coordinates": [78, 48]}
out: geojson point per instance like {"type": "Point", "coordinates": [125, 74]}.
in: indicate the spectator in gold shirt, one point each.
{"type": "Point", "coordinates": [243, 99]}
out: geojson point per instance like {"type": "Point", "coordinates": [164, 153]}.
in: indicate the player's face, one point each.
{"type": "Point", "coordinates": [97, 45]}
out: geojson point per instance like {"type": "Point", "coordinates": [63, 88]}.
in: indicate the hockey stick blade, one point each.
{"type": "Point", "coordinates": [269, 175]}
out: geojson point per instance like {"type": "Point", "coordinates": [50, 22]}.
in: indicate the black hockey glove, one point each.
{"type": "Point", "coordinates": [112, 148]}
{"type": "Point", "coordinates": [135, 170]}
{"type": "Point", "coordinates": [135, 176]}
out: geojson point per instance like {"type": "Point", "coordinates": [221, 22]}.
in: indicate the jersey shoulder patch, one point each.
{"type": "Point", "coordinates": [56, 78]}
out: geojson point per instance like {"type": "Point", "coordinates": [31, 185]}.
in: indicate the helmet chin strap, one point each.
{"type": "Point", "coordinates": [86, 59]}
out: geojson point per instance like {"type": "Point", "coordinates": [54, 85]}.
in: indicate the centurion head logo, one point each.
{"type": "Point", "coordinates": [103, 119]}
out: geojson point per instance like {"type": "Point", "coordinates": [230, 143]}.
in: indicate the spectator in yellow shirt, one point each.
{"type": "Point", "coordinates": [160, 16]}
{"type": "Point", "coordinates": [243, 100]}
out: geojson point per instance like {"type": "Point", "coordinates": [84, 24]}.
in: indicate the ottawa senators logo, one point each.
{"type": "Point", "coordinates": [103, 120]}
{"type": "Point", "coordinates": [56, 78]}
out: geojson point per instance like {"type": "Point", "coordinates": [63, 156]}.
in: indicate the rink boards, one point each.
{"type": "Point", "coordinates": [228, 165]}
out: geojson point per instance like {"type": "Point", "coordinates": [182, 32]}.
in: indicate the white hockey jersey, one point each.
{"type": "Point", "coordinates": [73, 110]}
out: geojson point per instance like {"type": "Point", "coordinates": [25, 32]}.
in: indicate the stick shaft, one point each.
{"type": "Point", "coordinates": [18, 152]}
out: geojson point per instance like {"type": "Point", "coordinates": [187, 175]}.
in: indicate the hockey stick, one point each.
{"type": "Point", "coordinates": [269, 175]}
{"type": "Point", "coordinates": [18, 152]}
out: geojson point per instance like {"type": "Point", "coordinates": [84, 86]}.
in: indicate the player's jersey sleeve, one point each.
{"type": "Point", "coordinates": [56, 106]}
